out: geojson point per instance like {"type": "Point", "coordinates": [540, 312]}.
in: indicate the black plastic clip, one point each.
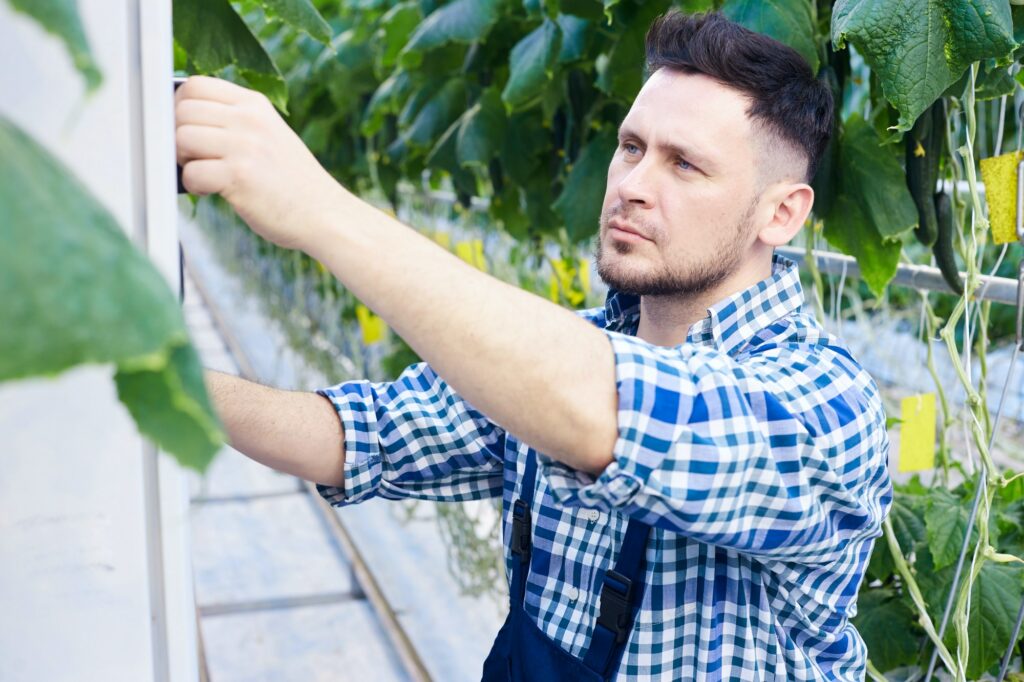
{"type": "Point", "coordinates": [616, 610]}
{"type": "Point", "coordinates": [521, 530]}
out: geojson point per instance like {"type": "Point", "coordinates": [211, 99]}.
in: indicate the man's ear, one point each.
{"type": "Point", "coordinates": [792, 204]}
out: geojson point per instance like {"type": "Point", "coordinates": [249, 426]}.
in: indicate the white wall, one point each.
{"type": "Point", "coordinates": [95, 582]}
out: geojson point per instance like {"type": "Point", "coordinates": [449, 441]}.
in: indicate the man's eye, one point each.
{"type": "Point", "coordinates": [684, 164]}
{"type": "Point", "coordinates": [630, 148]}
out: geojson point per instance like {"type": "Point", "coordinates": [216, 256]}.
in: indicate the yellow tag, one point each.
{"type": "Point", "coordinates": [473, 253]}
{"type": "Point", "coordinates": [1000, 176]}
{"type": "Point", "coordinates": [585, 274]}
{"type": "Point", "coordinates": [917, 433]}
{"type": "Point", "coordinates": [372, 327]}
{"type": "Point", "coordinates": [444, 239]}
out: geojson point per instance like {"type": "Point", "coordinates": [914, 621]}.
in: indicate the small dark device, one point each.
{"type": "Point", "coordinates": [178, 80]}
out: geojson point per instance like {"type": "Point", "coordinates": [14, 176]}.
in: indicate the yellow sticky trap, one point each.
{"type": "Point", "coordinates": [917, 433]}
{"type": "Point", "coordinates": [473, 253]}
{"type": "Point", "coordinates": [372, 327]}
{"type": "Point", "coordinates": [1000, 176]}
{"type": "Point", "coordinates": [585, 275]}
{"type": "Point", "coordinates": [444, 239]}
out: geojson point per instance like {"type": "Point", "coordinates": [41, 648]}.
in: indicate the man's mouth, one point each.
{"type": "Point", "coordinates": [622, 230]}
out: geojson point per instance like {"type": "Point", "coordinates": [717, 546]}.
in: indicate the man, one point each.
{"type": "Point", "coordinates": [693, 475]}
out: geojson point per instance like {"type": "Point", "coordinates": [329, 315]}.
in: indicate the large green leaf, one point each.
{"type": "Point", "coordinates": [579, 205]}
{"type": "Point", "coordinates": [215, 37]}
{"type": "Point", "coordinates": [866, 220]}
{"type": "Point", "coordinates": [995, 598]}
{"type": "Point", "coordinates": [462, 21]}
{"type": "Point", "coordinates": [531, 65]}
{"type": "Point", "coordinates": [437, 114]}
{"type": "Point", "coordinates": [482, 130]}
{"type": "Point", "coordinates": [788, 21]}
{"type": "Point", "coordinates": [620, 69]}
{"type": "Point", "coordinates": [921, 47]}
{"type": "Point", "coordinates": [946, 523]}
{"type": "Point", "coordinates": [76, 291]}
{"type": "Point", "coordinates": [61, 18]}
{"type": "Point", "coordinates": [872, 175]}
{"type": "Point", "coordinates": [887, 626]}
{"type": "Point", "coordinates": [300, 14]}
{"type": "Point", "coordinates": [395, 28]}
{"type": "Point", "coordinates": [576, 33]}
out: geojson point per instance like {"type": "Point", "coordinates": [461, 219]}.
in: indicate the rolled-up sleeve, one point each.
{"type": "Point", "coordinates": [414, 438]}
{"type": "Point", "coordinates": [783, 454]}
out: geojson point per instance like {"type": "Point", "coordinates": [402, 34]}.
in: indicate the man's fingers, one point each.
{"type": "Point", "coordinates": [201, 142]}
{"type": "Point", "coordinates": [202, 112]}
{"type": "Point", "coordinates": [205, 176]}
{"type": "Point", "coordinates": [216, 89]}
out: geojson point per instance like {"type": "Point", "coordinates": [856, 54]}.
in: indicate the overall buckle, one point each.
{"type": "Point", "coordinates": [521, 530]}
{"type": "Point", "coordinates": [616, 610]}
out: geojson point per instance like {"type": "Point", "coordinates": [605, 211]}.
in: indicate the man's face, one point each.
{"type": "Point", "coordinates": [685, 177]}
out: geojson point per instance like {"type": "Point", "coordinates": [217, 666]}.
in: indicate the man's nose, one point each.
{"type": "Point", "coordinates": [637, 186]}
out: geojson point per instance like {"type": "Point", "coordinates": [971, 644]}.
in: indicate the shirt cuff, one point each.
{"type": "Point", "coordinates": [632, 461]}
{"type": "Point", "coordinates": [354, 403]}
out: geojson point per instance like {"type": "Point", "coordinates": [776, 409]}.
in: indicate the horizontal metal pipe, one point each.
{"type": "Point", "coordinates": [995, 289]}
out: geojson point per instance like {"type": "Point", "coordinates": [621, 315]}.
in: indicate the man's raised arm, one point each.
{"type": "Point", "coordinates": [292, 431]}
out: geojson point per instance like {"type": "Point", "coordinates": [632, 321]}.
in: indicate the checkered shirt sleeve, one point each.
{"type": "Point", "coordinates": [414, 438]}
{"type": "Point", "coordinates": [771, 454]}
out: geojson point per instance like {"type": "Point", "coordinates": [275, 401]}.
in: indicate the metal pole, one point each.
{"type": "Point", "coordinates": [996, 289]}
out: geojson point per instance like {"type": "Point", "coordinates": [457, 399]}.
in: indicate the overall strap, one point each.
{"type": "Point", "coordinates": [621, 593]}
{"type": "Point", "coordinates": [522, 528]}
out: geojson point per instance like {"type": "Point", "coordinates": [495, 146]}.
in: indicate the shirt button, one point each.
{"type": "Point", "coordinates": [572, 593]}
{"type": "Point", "coordinates": [591, 515]}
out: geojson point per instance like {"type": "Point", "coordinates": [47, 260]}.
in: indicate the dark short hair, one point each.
{"type": "Point", "coordinates": [786, 98]}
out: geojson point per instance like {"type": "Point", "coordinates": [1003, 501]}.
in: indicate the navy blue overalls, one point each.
{"type": "Point", "coordinates": [523, 653]}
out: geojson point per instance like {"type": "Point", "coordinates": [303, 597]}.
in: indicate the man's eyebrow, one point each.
{"type": "Point", "coordinates": [679, 150]}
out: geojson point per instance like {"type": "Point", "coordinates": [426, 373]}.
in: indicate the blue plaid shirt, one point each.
{"type": "Point", "coordinates": [757, 450]}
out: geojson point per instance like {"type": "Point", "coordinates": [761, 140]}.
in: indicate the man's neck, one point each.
{"type": "Point", "coordinates": [666, 320]}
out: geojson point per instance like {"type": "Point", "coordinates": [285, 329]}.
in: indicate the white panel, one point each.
{"type": "Point", "coordinates": [95, 576]}
{"type": "Point", "coordinates": [73, 569]}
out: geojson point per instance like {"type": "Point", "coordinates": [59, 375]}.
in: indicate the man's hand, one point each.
{"type": "Point", "coordinates": [231, 141]}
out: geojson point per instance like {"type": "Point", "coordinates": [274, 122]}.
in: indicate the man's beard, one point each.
{"type": "Point", "coordinates": [689, 280]}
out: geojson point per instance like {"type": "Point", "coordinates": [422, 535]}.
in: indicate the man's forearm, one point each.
{"type": "Point", "coordinates": [534, 368]}
{"type": "Point", "coordinates": [295, 432]}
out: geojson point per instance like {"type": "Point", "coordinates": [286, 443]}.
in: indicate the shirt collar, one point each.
{"type": "Point", "coordinates": [732, 321]}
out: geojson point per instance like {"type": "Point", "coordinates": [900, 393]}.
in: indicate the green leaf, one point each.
{"type": "Point", "coordinates": [61, 18]}
{"type": "Point", "coordinates": [872, 175]}
{"type": "Point", "coordinates": [946, 523]}
{"type": "Point", "coordinates": [385, 101]}
{"type": "Point", "coordinates": [866, 220]}
{"type": "Point", "coordinates": [576, 35]}
{"type": "Point", "coordinates": [301, 15]}
{"type": "Point", "coordinates": [437, 114]}
{"type": "Point", "coordinates": [921, 47]}
{"type": "Point", "coordinates": [580, 203]}
{"type": "Point", "coordinates": [395, 28]}
{"type": "Point", "coordinates": [482, 130]}
{"type": "Point", "coordinates": [523, 143]}
{"type": "Point", "coordinates": [788, 21]}
{"type": "Point", "coordinates": [462, 21]}
{"type": "Point", "coordinates": [907, 514]}
{"type": "Point", "coordinates": [78, 292]}
{"type": "Point", "coordinates": [587, 9]}
{"type": "Point", "coordinates": [531, 65]}
{"type": "Point", "coordinates": [620, 70]}
{"type": "Point", "coordinates": [215, 37]}
{"type": "Point", "coordinates": [993, 82]}
{"type": "Point", "coordinates": [995, 598]}
{"type": "Point", "coordinates": [887, 626]}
